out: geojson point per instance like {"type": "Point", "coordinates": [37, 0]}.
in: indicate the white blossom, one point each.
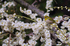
{"type": "Point", "coordinates": [46, 14]}
{"type": "Point", "coordinates": [32, 42]}
{"type": "Point", "coordinates": [21, 41]}
{"type": "Point", "coordinates": [58, 19]}
{"type": "Point", "coordinates": [29, 12]}
{"type": "Point", "coordinates": [33, 16]}
{"type": "Point", "coordinates": [2, 10]}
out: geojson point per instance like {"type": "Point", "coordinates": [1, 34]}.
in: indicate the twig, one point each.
{"type": "Point", "coordinates": [9, 40]}
{"type": "Point", "coordinates": [10, 33]}
{"type": "Point", "coordinates": [34, 2]}
{"type": "Point", "coordinates": [55, 1]}
{"type": "Point", "coordinates": [30, 34]}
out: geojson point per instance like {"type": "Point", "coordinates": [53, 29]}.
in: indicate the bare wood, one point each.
{"type": "Point", "coordinates": [10, 33]}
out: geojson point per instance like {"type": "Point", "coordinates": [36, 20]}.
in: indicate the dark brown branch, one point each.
{"type": "Point", "coordinates": [10, 33]}
{"type": "Point", "coordinates": [33, 8]}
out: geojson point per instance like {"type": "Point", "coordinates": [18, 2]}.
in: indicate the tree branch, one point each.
{"type": "Point", "coordinates": [31, 7]}
{"type": "Point", "coordinates": [10, 33]}
{"type": "Point", "coordinates": [9, 40]}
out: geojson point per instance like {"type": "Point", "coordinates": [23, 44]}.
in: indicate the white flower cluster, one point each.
{"type": "Point", "coordinates": [40, 29]}
{"type": "Point", "coordinates": [48, 5]}
{"type": "Point", "coordinates": [66, 24]}
{"type": "Point", "coordinates": [58, 19]}
{"type": "Point", "coordinates": [28, 12]}
{"type": "Point", "coordinates": [9, 4]}
{"type": "Point", "coordinates": [3, 9]}
{"type": "Point", "coordinates": [46, 14]}
{"type": "Point", "coordinates": [63, 34]}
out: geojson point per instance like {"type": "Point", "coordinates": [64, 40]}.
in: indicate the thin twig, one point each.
{"type": "Point", "coordinates": [9, 40]}
{"type": "Point", "coordinates": [10, 33]}
{"type": "Point", "coordinates": [34, 2]}
{"type": "Point", "coordinates": [55, 1]}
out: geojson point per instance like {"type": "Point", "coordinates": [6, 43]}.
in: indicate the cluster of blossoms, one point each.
{"type": "Point", "coordinates": [28, 12]}
{"type": "Point", "coordinates": [40, 29]}
{"type": "Point", "coordinates": [48, 5]}
{"type": "Point", "coordinates": [63, 32]}
{"type": "Point", "coordinates": [9, 4]}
